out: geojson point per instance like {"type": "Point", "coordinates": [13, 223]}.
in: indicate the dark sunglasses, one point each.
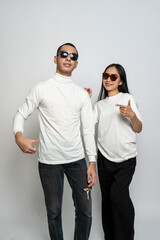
{"type": "Point", "coordinates": [113, 77]}
{"type": "Point", "coordinates": [65, 54]}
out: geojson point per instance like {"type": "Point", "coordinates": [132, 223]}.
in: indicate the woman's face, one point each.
{"type": "Point", "coordinates": [108, 83]}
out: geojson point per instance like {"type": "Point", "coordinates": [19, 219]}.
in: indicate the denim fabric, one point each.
{"type": "Point", "coordinates": [52, 179]}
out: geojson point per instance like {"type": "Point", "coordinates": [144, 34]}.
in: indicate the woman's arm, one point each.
{"type": "Point", "coordinates": [127, 111]}
{"type": "Point", "coordinates": [136, 123]}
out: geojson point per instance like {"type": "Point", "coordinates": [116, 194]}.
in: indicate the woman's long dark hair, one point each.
{"type": "Point", "coordinates": [122, 88]}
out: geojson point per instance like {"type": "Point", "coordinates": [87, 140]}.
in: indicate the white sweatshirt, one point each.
{"type": "Point", "coordinates": [116, 138]}
{"type": "Point", "coordinates": [65, 112]}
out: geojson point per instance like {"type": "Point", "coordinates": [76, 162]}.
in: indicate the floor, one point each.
{"type": "Point", "coordinates": [36, 229]}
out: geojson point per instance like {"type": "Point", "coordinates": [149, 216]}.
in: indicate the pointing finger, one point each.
{"type": "Point", "coordinates": [129, 102]}
{"type": "Point", "coordinates": [35, 140]}
{"type": "Point", "coordinates": [120, 105]}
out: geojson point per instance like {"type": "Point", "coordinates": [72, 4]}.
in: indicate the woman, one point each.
{"type": "Point", "coordinates": [118, 120]}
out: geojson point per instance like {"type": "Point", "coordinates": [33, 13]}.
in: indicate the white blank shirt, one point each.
{"type": "Point", "coordinates": [116, 138]}
{"type": "Point", "coordinates": [65, 113]}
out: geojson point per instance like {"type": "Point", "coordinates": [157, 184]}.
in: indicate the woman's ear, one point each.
{"type": "Point", "coordinates": [120, 83]}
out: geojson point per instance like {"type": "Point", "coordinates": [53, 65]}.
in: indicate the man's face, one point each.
{"type": "Point", "coordinates": [65, 66]}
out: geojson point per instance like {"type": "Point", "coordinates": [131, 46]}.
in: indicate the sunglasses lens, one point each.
{"type": "Point", "coordinates": [113, 77]}
{"type": "Point", "coordinates": [63, 54]}
{"type": "Point", "coordinates": [105, 75]}
{"type": "Point", "coordinates": [74, 56]}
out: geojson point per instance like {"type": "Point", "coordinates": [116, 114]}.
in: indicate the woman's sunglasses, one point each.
{"type": "Point", "coordinates": [65, 54]}
{"type": "Point", "coordinates": [113, 77]}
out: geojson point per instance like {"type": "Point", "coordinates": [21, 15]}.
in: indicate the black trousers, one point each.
{"type": "Point", "coordinates": [117, 208]}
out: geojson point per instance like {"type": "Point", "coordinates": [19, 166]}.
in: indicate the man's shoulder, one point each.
{"type": "Point", "coordinates": [42, 84]}
{"type": "Point", "coordinates": [80, 90]}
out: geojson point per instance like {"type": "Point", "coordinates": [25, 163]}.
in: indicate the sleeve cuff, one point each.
{"type": "Point", "coordinates": [18, 130]}
{"type": "Point", "coordinates": [92, 158]}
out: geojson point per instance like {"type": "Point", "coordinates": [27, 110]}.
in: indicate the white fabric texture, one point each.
{"type": "Point", "coordinates": [65, 113]}
{"type": "Point", "coordinates": [116, 138]}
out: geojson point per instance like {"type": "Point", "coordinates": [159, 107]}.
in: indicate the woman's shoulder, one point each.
{"type": "Point", "coordinates": [100, 102]}
{"type": "Point", "coordinates": [128, 96]}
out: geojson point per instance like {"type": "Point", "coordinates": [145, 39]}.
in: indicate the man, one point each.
{"type": "Point", "coordinates": [64, 108]}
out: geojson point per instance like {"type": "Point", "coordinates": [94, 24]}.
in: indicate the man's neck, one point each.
{"type": "Point", "coordinates": [64, 74]}
{"type": "Point", "coordinates": [62, 78]}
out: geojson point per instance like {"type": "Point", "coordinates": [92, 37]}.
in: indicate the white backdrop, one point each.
{"type": "Point", "coordinates": [121, 31]}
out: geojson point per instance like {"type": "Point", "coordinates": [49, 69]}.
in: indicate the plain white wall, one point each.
{"type": "Point", "coordinates": [122, 31]}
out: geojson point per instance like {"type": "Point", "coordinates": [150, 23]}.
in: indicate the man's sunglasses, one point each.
{"type": "Point", "coordinates": [113, 77]}
{"type": "Point", "coordinates": [65, 54]}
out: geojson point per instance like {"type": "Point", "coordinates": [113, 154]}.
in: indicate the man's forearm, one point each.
{"type": "Point", "coordinates": [90, 147]}
{"type": "Point", "coordinates": [18, 135]}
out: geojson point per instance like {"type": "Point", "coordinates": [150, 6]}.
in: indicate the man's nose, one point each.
{"type": "Point", "coordinates": [68, 57]}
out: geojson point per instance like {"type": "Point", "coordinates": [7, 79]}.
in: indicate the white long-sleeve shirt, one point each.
{"type": "Point", "coordinates": [65, 113]}
{"type": "Point", "coordinates": [116, 138]}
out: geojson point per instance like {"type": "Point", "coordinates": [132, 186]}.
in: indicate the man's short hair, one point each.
{"type": "Point", "coordinates": [69, 44]}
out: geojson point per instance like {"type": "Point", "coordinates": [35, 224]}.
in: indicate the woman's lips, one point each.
{"type": "Point", "coordinates": [108, 84]}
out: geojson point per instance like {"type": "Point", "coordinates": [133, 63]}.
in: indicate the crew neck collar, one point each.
{"type": "Point", "coordinates": [62, 79]}
{"type": "Point", "coordinates": [114, 97]}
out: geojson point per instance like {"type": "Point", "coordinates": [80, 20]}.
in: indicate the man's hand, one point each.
{"type": "Point", "coordinates": [91, 174]}
{"type": "Point", "coordinates": [126, 110]}
{"type": "Point", "coordinates": [89, 90]}
{"type": "Point", "coordinates": [26, 144]}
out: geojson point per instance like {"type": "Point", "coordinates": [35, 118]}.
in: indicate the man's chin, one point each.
{"type": "Point", "coordinates": [67, 71]}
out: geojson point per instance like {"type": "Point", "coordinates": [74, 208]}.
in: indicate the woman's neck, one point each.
{"type": "Point", "coordinates": [113, 93]}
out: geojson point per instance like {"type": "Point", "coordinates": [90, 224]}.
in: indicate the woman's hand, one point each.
{"type": "Point", "coordinates": [89, 90]}
{"type": "Point", "coordinates": [127, 111]}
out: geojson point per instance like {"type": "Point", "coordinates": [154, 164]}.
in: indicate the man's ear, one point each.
{"type": "Point", "coordinates": [55, 59]}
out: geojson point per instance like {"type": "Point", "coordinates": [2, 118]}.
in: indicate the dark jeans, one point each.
{"type": "Point", "coordinates": [52, 179]}
{"type": "Point", "coordinates": [117, 208]}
